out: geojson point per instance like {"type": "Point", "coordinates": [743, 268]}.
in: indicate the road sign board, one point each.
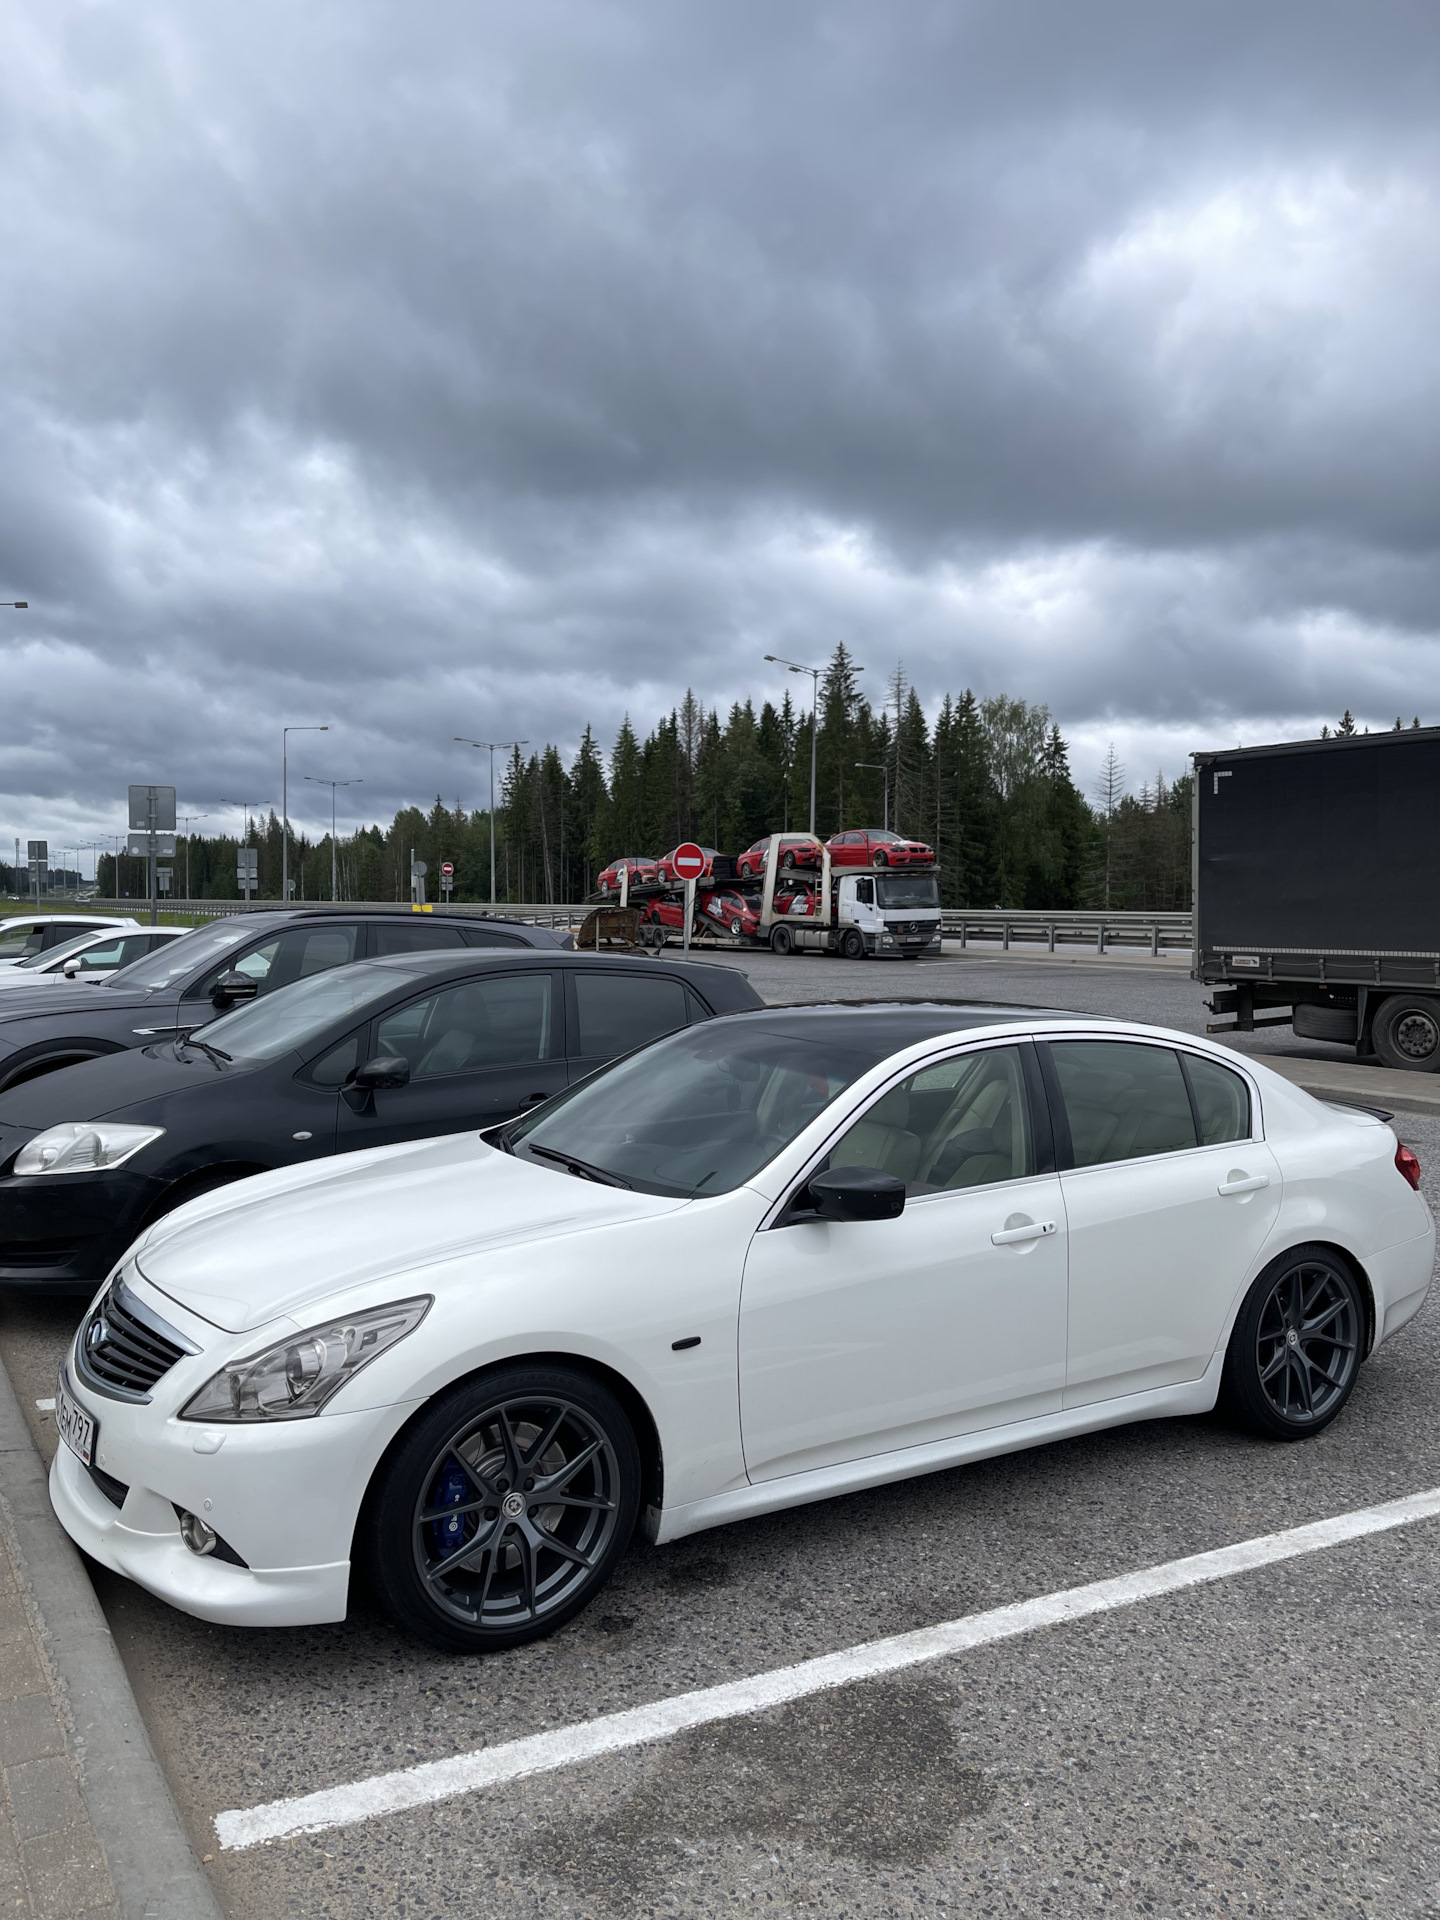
{"type": "Point", "coordinates": [140, 846]}
{"type": "Point", "coordinates": [419, 869]}
{"type": "Point", "coordinates": [247, 859]}
{"type": "Point", "coordinates": [447, 868]}
{"type": "Point", "coordinates": [37, 849]}
{"type": "Point", "coordinates": [688, 861]}
{"type": "Point", "coordinates": [153, 808]}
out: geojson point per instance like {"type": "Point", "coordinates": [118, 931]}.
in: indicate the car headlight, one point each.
{"type": "Point", "coordinates": [294, 1378]}
{"type": "Point", "coordinates": [83, 1146]}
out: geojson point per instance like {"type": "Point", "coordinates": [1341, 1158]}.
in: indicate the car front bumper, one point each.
{"type": "Point", "coordinates": [66, 1231]}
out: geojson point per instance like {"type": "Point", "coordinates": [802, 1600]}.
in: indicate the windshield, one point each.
{"type": "Point", "coordinates": [907, 890]}
{"type": "Point", "coordinates": [177, 957]}
{"type": "Point", "coordinates": [702, 1110]}
{"type": "Point", "coordinates": [292, 1016]}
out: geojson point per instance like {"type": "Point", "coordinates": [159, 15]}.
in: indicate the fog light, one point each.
{"type": "Point", "coordinates": [196, 1535]}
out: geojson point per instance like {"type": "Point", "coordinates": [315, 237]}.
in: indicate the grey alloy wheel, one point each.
{"type": "Point", "coordinates": [1297, 1346]}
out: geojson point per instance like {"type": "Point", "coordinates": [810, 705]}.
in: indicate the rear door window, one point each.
{"type": "Point", "coordinates": [1222, 1100]}
{"type": "Point", "coordinates": [502, 1020]}
{"type": "Point", "coordinates": [1123, 1101]}
{"type": "Point", "coordinates": [618, 1011]}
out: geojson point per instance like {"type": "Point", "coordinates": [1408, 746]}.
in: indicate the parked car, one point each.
{"type": "Point", "coordinates": [473, 1363]}
{"type": "Point", "coordinates": [25, 934]}
{"type": "Point", "coordinates": [878, 847]}
{"type": "Point", "coordinates": [89, 956]}
{"type": "Point", "coordinates": [215, 967]}
{"type": "Point", "coordinates": [640, 867]}
{"type": "Point", "coordinates": [799, 851]}
{"type": "Point", "coordinates": [666, 864]}
{"type": "Point", "coordinates": [730, 910]}
{"type": "Point", "coordinates": [353, 1057]}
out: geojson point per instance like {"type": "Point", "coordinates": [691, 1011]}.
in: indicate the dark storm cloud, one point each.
{"type": "Point", "coordinates": [495, 369]}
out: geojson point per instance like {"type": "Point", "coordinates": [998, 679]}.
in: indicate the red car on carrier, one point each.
{"type": "Point", "coordinates": [727, 910]}
{"type": "Point", "coordinates": [878, 847]}
{"type": "Point", "coordinates": [795, 851]}
{"type": "Point", "coordinates": [640, 865]}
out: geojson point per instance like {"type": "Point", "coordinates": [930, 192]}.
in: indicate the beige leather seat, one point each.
{"type": "Point", "coordinates": [882, 1139]}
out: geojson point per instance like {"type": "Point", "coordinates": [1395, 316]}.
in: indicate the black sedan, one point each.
{"type": "Point", "coordinates": [54, 1025]}
{"type": "Point", "coordinates": [357, 1056]}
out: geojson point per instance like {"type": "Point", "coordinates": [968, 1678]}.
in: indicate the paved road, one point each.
{"type": "Point", "coordinates": [1266, 1744]}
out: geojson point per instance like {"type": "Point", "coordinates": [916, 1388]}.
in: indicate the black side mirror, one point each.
{"type": "Point", "coordinates": [233, 987]}
{"type": "Point", "coordinates": [383, 1074]}
{"type": "Point", "coordinates": [857, 1193]}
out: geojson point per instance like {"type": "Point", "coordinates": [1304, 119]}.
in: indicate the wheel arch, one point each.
{"type": "Point", "coordinates": [1335, 1249]}
{"type": "Point", "coordinates": [50, 1056]}
{"type": "Point", "coordinates": [189, 1186]}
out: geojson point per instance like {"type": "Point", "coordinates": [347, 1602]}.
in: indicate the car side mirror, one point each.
{"type": "Point", "coordinates": [857, 1193]}
{"type": "Point", "coordinates": [383, 1074]}
{"type": "Point", "coordinates": [233, 987]}
{"type": "Point", "coordinates": [70, 969]}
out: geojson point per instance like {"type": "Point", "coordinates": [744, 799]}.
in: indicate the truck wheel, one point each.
{"type": "Point", "coordinates": [780, 940]}
{"type": "Point", "coordinates": [852, 944]}
{"type": "Point", "coordinates": [1407, 1034]}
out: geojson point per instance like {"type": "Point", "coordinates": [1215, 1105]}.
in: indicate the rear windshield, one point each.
{"type": "Point", "coordinates": [907, 890]}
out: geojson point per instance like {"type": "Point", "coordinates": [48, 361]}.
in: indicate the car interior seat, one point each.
{"type": "Point", "coordinates": [882, 1139]}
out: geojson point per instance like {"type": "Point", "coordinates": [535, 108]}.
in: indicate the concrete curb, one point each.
{"type": "Point", "coordinates": [154, 1872]}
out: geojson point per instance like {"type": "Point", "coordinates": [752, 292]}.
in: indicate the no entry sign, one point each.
{"type": "Point", "coordinates": [688, 861]}
{"type": "Point", "coordinates": [447, 869]}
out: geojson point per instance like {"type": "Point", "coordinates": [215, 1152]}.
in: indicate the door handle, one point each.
{"type": "Point", "coordinates": [1252, 1184]}
{"type": "Point", "coordinates": [1009, 1236]}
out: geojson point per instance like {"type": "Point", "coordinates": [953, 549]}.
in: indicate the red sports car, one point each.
{"type": "Point", "coordinates": [795, 851]}
{"type": "Point", "coordinates": [731, 911]}
{"type": "Point", "coordinates": [667, 863]}
{"type": "Point", "coordinates": [640, 865]}
{"type": "Point", "coordinates": [878, 847]}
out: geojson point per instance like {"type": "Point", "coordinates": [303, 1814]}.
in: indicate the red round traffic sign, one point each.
{"type": "Point", "coordinates": [688, 861]}
{"type": "Point", "coordinates": [447, 867]}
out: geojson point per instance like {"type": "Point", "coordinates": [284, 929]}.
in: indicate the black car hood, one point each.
{"type": "Point", "coordinates": [74, 996]}
{"type": "Point", "coordinates": [96, 1089]}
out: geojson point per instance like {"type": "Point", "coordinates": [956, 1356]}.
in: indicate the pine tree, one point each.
{"type": "Point", "coordinates": [1346, 727]}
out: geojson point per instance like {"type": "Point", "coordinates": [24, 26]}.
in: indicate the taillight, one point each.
{"type": "Point", "coordinates": [1408, 1165]}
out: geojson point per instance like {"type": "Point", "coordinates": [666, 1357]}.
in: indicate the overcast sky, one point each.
{"type": "Point", "coordinates": [492, 369]}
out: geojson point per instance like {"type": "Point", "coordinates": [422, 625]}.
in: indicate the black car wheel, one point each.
{"type": "Point", "coordinates": [1407, 1034]}
{"type": "Point", "coordinates": [882, 859]}
{"type": "Point", "coordinates": [1295, 1353]}
{"type": "Point", "coordinates": [852, 944]}
{"type": "Point", "coordinates": [504, 1509]}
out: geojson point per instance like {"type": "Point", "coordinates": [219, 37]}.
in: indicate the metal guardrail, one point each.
{"type": "Point", "coordinates": [1097, 931]}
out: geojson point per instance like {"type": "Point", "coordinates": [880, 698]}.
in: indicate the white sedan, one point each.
{"type": "Point", "coordinates": [776, 1257]}
{"type": "Point", "coordinates": [90, 956]}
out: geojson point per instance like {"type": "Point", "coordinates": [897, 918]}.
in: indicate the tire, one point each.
{"type": "Point", "coordinates": [882, 859]}
{"type": "Point", "coordinates": [605, 888]}
{"type": "Point", "coordinates": [737, 927]}
{"type": "Point", "coordinates": [1311, 1022]}
{"type": "Point", "coordinates": [1407, 1033]}
{"type": "Point", "coordinates": [852, 944]}
{"type": "Point", "coordinates": [532, 1569]}
{"type": "Point", "coordinates": [1280, 1381]}
{"type": "Point", "coordinates": [781, 940]}
{"type": "Point", "coordinates": [787, 859]}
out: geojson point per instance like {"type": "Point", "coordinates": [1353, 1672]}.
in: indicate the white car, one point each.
{"type": "Point", "coordinates": [90, 956]}
{"type": "Point", "coordinates": [776, 1257]}
{"type": "Point", "coordinates": [24, 934]}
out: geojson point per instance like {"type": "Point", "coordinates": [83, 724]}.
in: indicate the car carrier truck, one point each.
{"type": "Point", "coordinates": [1317, 891]}
{"type": "Point", "coordinates": [886, 912]}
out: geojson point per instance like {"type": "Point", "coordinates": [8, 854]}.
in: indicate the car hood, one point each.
{"type": "Point", "coordinates": [59, 996]}
{"type": "Point", "coordinates": [275, 1245]}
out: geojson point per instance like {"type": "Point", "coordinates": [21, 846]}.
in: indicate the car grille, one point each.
{"type": "Point", "coordinates": [124, 1348]}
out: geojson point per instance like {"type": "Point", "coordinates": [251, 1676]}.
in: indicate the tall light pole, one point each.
{"type": "Point", "coordinates": [187, 818]}
{"type": "Point", "coordinates": [285, 733]}
{"type": "Point", "coordinates": [877, 766]}
{"type": "Point", "coordinates": [460, 740]}
{"type": "Point", "coordinates": [814, 673]}
{"type": "Point", "coordinates": [333, 784]}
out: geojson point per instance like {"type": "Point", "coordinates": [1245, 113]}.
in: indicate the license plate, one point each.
{"type": "Point", "coordinates": [78, 1430]}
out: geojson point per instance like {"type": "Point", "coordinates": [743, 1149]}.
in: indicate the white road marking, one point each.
{"type": "Point", "coordinates": [434, 1780]}
{"type": "Point", "coordinates": [46, 1406]}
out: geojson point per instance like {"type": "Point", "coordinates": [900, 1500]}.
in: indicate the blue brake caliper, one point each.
{"type": "Point", "coordinates": [452, 1489]}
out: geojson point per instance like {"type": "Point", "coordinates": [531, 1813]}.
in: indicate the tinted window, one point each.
{"type": "Point", "coordinates": [1222, 1100]}
{"type": "Point", "coordinates": [265, 1028]}
{"type": "Point", "coordinates": [178, 957]}
{"type": "Point", "coordinates": [961, 1123]}
{"type": "Point", "coordinates": [900, 890]}
{"type": "Point", "coordinates": [411, 936]}
{"type": "Point", "coordinates": [292, 956]}
{"type": "Point", "coordinates": [500, 1021]}
{"type": "Point", "coordinates": [619, 1011]}
{"type": "Point", "coordinates": [114, 953]}
{"type": "Point", "coordinates": [1123, 1101]}
{"type": "Point", "coordinates": [488, 937]}
{"type": "Point", "coordinates": [15, 938]}
{"type": "Point", "coordinates": [333, 1068]}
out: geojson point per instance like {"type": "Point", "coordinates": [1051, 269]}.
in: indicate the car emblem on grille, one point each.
{"type": "Point", "coordinates": [99, 1331]}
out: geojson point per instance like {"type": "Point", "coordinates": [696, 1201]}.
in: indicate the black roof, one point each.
{"type": "Point", "coordinates": [725, 989]}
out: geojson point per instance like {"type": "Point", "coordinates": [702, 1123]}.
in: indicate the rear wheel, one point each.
{"type": "Point", "coordinates": [1295, 1353]}
{"type": "Point", "coordinates": [504, 1510]}
{"type": "Point", "coordinates": [781, 940]}
{"type": "Point", "coordinates": [1407, 1033]}
{"type": "Point", "coordinates": [852, 944]}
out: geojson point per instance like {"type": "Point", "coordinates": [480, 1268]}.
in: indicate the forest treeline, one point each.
{"type": "Point", "coordinates": [987, 784]}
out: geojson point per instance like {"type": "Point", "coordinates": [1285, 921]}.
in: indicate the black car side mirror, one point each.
{"type": "Point", "coordinates": [857, 1193]}
{"type": "Point", "coordinates": [383, 1074]}
{"type": "Point", "coordinates": [233, 987]}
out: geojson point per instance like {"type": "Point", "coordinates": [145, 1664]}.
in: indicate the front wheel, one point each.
{"type": "Point", "coordinates": [1407, 1033]}
{"type": "Point", "coordinates": [852, 944]}
{"type": "Point", "coordinates": [787, 859]}
{"type": "Point", "coordinates": [1295, 1353]}
{"type": "Point", "coordinates": [504, 1510]}
{"type": "Point", "coordinates": [882, 859]}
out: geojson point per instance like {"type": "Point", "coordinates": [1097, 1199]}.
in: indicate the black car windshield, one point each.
{"type": "Point", "coordinates": [292, 1016]}
{"type": "Point", "coordinates": [178, 957]}
{"type": "Point", "coordinates": [907, 890]}
{"type": "Point", "coordinates": [702, 1110]}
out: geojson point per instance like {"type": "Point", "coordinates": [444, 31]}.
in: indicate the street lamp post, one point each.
{"type": "Point", "coordinates": [333, 784]}
{"type": "Point", "coordinates": [814, 673]}
{"type": "Point", "coordinates": [285, 733]}
{"type": "Point", "coordinates": [187, 818]}
{"type": "Point", "coordinates": [460, 740]}
{"type": "Point", "coordinates": [879, 766]}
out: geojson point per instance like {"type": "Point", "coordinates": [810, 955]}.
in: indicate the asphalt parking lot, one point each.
{"type": "Point", "coordinates": [1262, 1744]}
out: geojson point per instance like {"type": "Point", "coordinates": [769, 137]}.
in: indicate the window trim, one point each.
{"type": "Point", "coordinates": [1065, 1151]}
{"type": "Point", "coordinates": [1041, 1133]}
